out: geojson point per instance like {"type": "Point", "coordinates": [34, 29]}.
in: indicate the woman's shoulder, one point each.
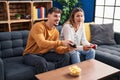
{"type": "Point", "coordinates": [67, 25]}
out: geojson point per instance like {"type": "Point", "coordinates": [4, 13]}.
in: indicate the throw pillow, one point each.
{"type": "Point", "coordinates": [87, 31]}
{"type": "Point", "coordinates": [102, 34]}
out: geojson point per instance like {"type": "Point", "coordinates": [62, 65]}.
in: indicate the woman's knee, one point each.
{"type": "Point", "coordinates": [92, 51]}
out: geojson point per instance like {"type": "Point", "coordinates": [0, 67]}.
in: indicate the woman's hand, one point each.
{"type": "Point", "coordinates": [86, 47]}
{"type": "Point", "coordinates": [94, 46]}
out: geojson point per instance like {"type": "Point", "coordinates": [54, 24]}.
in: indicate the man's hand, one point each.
{"type": "Point", "coordinates": [71, 48]}
{"type": "Point", "coordinates": [66, 42]}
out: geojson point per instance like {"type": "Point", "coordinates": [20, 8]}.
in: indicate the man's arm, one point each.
{"type": "Point", "coordinates": [37, 33]}
{"type": "Point", "coordinates": [61, 49]}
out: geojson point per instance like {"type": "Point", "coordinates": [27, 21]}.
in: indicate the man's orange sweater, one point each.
{"type": "Point", "coordinates": [41, 39]}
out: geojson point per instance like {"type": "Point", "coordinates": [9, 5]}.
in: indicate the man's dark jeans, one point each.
{"type": "Point", "coordinates": [40, 61]}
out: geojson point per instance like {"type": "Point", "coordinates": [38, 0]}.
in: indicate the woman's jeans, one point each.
{"type": "Point", "coordinates": [75, 55]}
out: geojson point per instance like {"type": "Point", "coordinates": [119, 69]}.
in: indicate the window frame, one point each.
{"type": "Point", "coordinates": [105, 19]}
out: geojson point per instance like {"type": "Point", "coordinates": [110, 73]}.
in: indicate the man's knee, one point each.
{"type": "Point", "coordinates": [36, 61]}
{"type": "Point", "coordinates": [66, 56]}
{"type": "Point", "coordinates": [66, 59]}
{"type": "Point", "coordinates": [32, 60]}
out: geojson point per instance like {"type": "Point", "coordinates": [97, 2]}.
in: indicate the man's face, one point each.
{"type": "Point", "coordinates": [54, 18]}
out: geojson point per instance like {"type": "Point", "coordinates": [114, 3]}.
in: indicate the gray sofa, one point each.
{"type": "Point", "coordinates": [12, 65]}
{"type": "Point", "coordinates": [110, 54]}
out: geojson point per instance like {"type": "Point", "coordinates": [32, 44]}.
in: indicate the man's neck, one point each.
{"type": "Point", "coordinates": [49, 25]}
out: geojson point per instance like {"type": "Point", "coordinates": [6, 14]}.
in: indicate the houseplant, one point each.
{"type": "Point", "coordinates": [18, 16]}
{"type": "Point", "coordinates": [67, 6]}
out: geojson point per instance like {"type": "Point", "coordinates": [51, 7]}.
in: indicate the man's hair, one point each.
{"type": "Point", "coordinates": [54, 9]}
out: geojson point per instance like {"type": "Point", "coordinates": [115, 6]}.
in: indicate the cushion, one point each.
{"type": "Point", "coordinates": [12, 43]}
{"type": "Point", "coordinates": [102, 34]}
{"type": "Point", "coordinates": [87, 31]}
{"type": "Point", "coordinates": [18, 71]}
{"type": "Point", "coordinates": [109, 54]}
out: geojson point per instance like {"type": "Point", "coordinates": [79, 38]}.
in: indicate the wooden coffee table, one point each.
{"type": "Point", "coordinates": [91, 70]}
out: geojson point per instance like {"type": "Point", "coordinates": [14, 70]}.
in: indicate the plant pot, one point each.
{"type": "Point", "coordinates": [18, 17]}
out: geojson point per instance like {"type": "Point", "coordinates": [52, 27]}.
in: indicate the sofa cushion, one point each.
{"type": "Point", "coordinates": [12, 43]}
{"type": "Point", "coordinates": [16, 70]}
{"type": "Point", "coordinates": [109, 54]}
{"type": "Point", "coordinates": [59, 28]}
{"type": "Point", "coordinates": [87, 30]}
{"type": "Point", "coordinates": [102, 34]}
{"type": "Point", "coordinates": [17, 59]}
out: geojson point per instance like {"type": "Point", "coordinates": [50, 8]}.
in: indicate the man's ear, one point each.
{"type": "Point", "coordinates": [48, 15]}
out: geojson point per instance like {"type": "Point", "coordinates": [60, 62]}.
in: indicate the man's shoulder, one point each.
{"type": "Point", "coordinates": [39, 25]}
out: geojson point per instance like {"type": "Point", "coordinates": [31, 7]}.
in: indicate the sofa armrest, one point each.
{"type": "Point", "coordinates": [117, 37]}
{"type": "Point", "coordinates": [1, 69]}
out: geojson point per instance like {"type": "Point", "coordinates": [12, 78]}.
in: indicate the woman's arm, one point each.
{"type": "Point", "coordinates": [84, 39]}
{"type": "Point", "coordinates": [67, 32]}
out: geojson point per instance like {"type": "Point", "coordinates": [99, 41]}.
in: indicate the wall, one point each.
{"type": "Point", "coordinates": [87, 6]}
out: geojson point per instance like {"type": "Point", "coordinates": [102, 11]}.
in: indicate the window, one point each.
{"type": "Point", "coordinates": [107, 11]}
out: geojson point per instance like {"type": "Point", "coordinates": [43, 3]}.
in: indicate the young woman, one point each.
{"type": "Point", "coordinates": [73, 30]}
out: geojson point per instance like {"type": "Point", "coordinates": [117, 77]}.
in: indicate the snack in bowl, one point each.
{"type": "Point", "coordinates": [74, 70]}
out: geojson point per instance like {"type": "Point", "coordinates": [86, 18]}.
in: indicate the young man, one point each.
{"type": "Point", "coordinates": [43, 38]}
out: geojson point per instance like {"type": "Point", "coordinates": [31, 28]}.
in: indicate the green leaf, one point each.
{"type": "Point", "coordinates": [68, 5]}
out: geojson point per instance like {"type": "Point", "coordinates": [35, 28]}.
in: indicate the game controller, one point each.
{"type": "Point", "coordinates": [73, 45]}
{"type": "Point", "coordinates": [94, 46]}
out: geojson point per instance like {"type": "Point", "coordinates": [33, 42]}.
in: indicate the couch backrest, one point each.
{"type": "Point", "coordinates": [12, 43]}
{"type": "Point", "coordinates": [87, 30]}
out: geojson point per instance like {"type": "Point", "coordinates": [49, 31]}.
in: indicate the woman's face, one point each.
{"type": "Point", "coordinates": [78, 17]}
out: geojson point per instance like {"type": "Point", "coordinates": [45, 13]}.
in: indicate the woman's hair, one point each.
{"type": "Point", "coordinates": [74, 11]}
